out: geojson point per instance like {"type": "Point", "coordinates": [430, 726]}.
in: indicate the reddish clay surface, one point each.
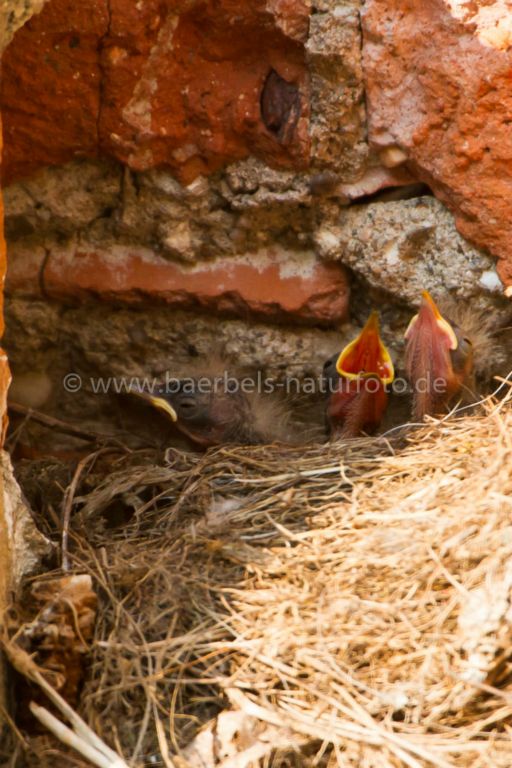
{"type": "Point", "coordinates": [269, 284]}
{"type": "Point", "coordinates": [440, 88]}
{"type": "Point", "coordinates": [50, 87]}
{"type": "Point", "coordinates": [176, 84]}
{"type": "Point", "coordinates": [5, 375]}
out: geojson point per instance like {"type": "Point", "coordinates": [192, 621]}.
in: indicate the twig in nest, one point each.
{"type": "Point", "coordinates": [80, 737]}
{"type": "Point", "coordinates": [61, 426]}
{"type": "Point", "coordinates": [67, 504]}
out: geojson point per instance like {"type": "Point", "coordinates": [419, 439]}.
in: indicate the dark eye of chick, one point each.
{"type": "Point", "coordinates": [330, 363]}
{"type": "Point", "coordinates": [188, 406]}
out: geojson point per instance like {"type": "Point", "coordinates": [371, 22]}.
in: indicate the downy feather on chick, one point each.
{"type": "Point", "coordinates": [448, 348]}
{"type": "Point", "coordinates": [214, 403]}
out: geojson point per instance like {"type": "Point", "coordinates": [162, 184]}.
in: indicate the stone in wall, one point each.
{"type": "Point", "coordinates": [438, 89]}
{"type": "Point", "coordinates": [248, 207]}
{"type": "Point", "coordinates": [338, 119]}
{"type": "Point", "coordinates": [193, 87]}
{"type": "Point", "coordinates": [57, 120]}
{"type": "Point", "coordinates": [275, 83]}
{"type": "Point", "coordinates": [93, 340]}
{"type": "Point", "coordinates": [343, 165]}
{"type": "Point", "coordinates": [235, 244]}
{"type": "Point", "coordinates": [407, 246]}
{"type": "Point", "coordinates": [273, 283]}
{"type": "Point", "coordinates": [190, 86]}
{"type": "Point", "coordinates": [61, 200]}
{"type": "Point", "coordinates": [224, 243]}
{"type": "Point", "coordinates": [27, 545]}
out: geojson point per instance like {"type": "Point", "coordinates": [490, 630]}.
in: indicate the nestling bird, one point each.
{"type": "Point", "coordinates": [438, 360]}
{"type": "Point", "coordinates": [357, 381]}
{"type": "Point", "coordinates": [214, 407]}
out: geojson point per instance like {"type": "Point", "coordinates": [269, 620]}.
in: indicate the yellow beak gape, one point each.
{"type": "Point", "coordinates": [163, 405]}
{"type": "Point", "coordinates": [367, 354]}
{"type": "Point", "coordinates": [429, 308]}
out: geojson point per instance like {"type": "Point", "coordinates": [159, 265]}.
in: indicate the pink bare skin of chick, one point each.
{"type": "Point", "coordinates": [438, 360]}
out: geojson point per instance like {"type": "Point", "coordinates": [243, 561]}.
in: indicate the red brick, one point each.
{"type": "Point", "coordinates": [274, 284]}
{"type": "Point", "coordinates": [440, 88]}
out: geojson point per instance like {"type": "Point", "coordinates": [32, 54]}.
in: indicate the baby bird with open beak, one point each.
{"type": "Point", "coordinates": [357, 380]}
{"type": "Point", "coordinates": [438, 360]}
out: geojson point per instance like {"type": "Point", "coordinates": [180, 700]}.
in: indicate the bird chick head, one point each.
{"type": "Point", "coordinates": [357, 395]}
{"type": "Point", "coordinates": [429, 325]}
{"type": "Point", "coordinates": [437, 352]}
{"type": "Point", "coordinates": [449, 350]}
{"type": "Point", "coordinates": [366, 355]}
{"type": "Point", "coordinates": [202, 409]}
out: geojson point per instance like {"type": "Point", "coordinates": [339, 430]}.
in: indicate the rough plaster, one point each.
{"type": "Point", "coordinates": [13, 14]}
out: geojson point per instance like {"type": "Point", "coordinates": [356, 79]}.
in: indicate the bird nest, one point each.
{"type": "Point", "coordinates": [346, 605]}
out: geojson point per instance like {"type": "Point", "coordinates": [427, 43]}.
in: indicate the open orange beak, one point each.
{"type": "Point", "coordinates": [367, 355]}
{"type": "Point", "coordinates": [429, 325]}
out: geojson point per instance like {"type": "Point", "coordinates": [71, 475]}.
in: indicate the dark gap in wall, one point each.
{"type": "Point", "coordinates": [390, 194]}
{"type": "Point", "coordinates": [365, 298]}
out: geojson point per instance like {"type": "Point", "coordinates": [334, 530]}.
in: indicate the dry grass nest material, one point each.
{"type": "Point", "coordinates": [347, 604]}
